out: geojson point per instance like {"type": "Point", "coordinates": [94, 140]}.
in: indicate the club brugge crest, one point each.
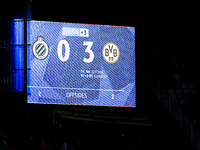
{"type": "Point", "coordinates": [40, 48]}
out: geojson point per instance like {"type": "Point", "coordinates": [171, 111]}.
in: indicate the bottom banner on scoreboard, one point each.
{"type": "Point", "coordinates": [73, 96]}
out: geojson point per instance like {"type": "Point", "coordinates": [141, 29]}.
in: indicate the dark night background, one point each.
{"type": "Point", "coordinates": [166, 44]}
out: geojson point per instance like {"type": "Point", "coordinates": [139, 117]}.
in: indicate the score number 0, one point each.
{"type": "Point", "coordinates": [67, 51]}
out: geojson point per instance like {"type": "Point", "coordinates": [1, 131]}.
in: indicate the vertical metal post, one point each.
{"type": "Point", "coordinates": [25, 47]}
{"type": "Point", "coordinates": [25, 62]}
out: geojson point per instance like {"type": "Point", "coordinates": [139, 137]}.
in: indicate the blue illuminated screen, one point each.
{"type": "Point", "coordinates": [81, 64]}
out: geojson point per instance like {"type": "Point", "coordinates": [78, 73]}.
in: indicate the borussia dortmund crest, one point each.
{"type": "Point", "coordinates": [110, 52]}
{"type": "Point", "coordinates": [40, 48]}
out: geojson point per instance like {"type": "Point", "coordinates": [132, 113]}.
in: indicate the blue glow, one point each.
{"type": "Point", "coordinates": [28, 81]}
{"type": "Point", "coordinates": [17, 31]}
{"type": "Point", "coordinates": [19, 80]}
{"type": "Point", "coordinates": [16, 55]}
{"type": "Point", "coordinates": [18, 19]}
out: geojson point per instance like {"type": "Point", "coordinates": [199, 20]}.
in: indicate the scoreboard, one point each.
{"type": "Point", "coordinates": [81, 64]}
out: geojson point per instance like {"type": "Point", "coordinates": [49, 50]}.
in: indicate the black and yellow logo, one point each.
{"type": "Point", "coordinates": [110, 52]}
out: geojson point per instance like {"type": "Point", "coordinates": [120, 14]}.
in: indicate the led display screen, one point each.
{"type": "Point", "coordinates": [81, 64]}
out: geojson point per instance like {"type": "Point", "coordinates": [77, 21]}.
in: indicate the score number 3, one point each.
{"type": "Point", "coordinates": [67, 51]}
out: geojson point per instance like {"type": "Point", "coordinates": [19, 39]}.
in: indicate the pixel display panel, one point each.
{"type": "Point", "coordinates": [81, 64]}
